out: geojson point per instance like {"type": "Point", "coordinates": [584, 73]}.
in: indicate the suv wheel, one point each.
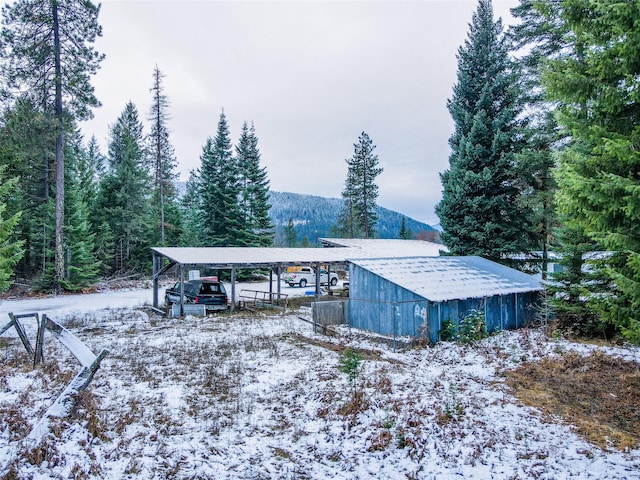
{"type": "Point", "coordinates": [334, 281]}
{"type": "Point", "coordinates": [303, 283]}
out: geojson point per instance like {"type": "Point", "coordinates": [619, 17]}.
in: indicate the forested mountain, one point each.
{"type": "Point", "coordinates": [313, 217]}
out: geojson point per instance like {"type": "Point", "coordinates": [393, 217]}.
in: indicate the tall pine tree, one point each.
{"type": "Point", "coordinates": [190, 212]}
{"type": "Point", "coordinates": [358, 216]}
{"type": "Point", "coordinates": [480, 211]}
{"type": "Point", "coordinates": [290, 235]}
{"type": "Point", "coordinates": [254, 190]}
{"type": "Point", "coordinates": [544, 35]}
{"type": "Point", "coordinates": [405, 233]}
{"type": "Point", "coordinates": [219, 208]}
{"type": "Point", "coordinates": [163, 165]}
{"type": "Point", "coordinates": [82, 266]}
{"type": "Point", "coordinates": [123, 200]}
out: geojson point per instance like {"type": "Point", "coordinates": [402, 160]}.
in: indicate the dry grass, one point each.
{"type": "Point", "coordinates": [366, 354]}
{"type": "Point", "coordinates": [598, 394]}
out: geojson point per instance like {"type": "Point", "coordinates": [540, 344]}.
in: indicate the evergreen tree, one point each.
{"type": "Point", "coordinates": [219, 207]}
{"type": "Point", "coordinates": [10, 248]}
{"type": "Point", "coordinates": [345, 226]}
{"type": "Point", "coordinates": [597, 90]}
{"type": "Point", "coordinates": [46, 51]}
{"type": "Point", "coordinates": [190, 214]}
{"type": "Point", "coordinates": [92, 171]}
{"type": "Point", "coordinates": [27, 138]}
{"type": "Point", "coordinates": [572, 284]}
{"type": "Point", "coordinates": [163, 164]}
{"type": "Point", "coordinates": [540, 33]}
{"type": "Point", "coordinates": [82, 265]}
{"type": "Point", "coordinates": [405, 233]}
{"type": "Point", "coordinates": [90, 168]}
{"type": "Point", "coordinates": [254, 190]}
{"type": "Point", "coordinates": [480, 211]}
{"type": "Point", "coordinates": [290, 236]}
{"type": "Point", "coordinates": [123, 199]}
{"type": "Point", "coordinates": [360, 191]}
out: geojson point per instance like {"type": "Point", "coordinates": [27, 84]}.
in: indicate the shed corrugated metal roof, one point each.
{"type": "Point", "coordinates": [439, 279]}
{"type": "Point", "coordinates": [388, 247]}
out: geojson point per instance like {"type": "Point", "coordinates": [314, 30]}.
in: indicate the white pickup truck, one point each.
{"type": "Point", "coordinates": [307, 276]}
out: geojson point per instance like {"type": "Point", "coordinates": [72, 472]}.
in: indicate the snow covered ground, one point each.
{"type": "Point", "coordinates": [261, 397]}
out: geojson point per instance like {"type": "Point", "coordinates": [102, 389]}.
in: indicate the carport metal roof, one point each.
{"type": "Point", "coordinates": [254, 257]}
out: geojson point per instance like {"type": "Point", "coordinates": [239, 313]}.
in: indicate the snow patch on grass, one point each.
{"type": "Point", "coordinates": [260, 396]}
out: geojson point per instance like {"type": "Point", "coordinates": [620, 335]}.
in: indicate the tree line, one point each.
{"type": "Point", "coordinates": [544, 154]}
{"type": "Point", "coordinates": [70, 214]}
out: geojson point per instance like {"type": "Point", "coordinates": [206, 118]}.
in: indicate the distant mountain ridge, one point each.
{"type": "Point", "coordinates": [314, 216]}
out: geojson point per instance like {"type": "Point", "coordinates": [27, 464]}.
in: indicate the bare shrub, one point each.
{"type": "Point", "coordinates": [381, 384]}
{"type": "Point", "coordinates": [357, 403]}
{"type": "Point", "coordinates": [85, 408]}
{"type": "Point", "coordinates": [12, 417]}
{"type": "Point", "coordinates": [380, 440]}
{"type": "Point", "coordinates": [45, 451]}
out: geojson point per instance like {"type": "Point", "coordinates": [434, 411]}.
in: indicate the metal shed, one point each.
{"type": "Point", "coordinates": [413, 296]}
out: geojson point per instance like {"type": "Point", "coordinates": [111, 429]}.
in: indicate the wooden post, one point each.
{"type": "Point", "coordinates": [39, 356]}
{"type": "Point", "coordinates": [20, 329]}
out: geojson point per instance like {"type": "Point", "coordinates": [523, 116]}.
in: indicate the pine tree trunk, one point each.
{"type": "Point", "coordinates": [59, 235]}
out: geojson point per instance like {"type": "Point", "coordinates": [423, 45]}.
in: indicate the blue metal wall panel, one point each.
{"type": "Point", "coordinates": [381, 306]}
{"type": "Point", "coordinates": [508, 312]}
{"type": "Point", "coordinates": [492, 314]}
{"type": "Point", "coordinates": [435, 323]}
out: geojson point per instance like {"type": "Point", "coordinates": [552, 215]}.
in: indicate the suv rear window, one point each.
{"type": "Point", "coordinates": [210, 288]}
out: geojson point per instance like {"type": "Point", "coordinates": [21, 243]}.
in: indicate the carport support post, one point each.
{"type": "Point", "coordinates": [271, 284]}
{"type": "Point", "coordinates": [156, 265]}
{"type": "Point", "coordinates": [233, 288]}
{"type": "Point", "coordinates": [181, 290]}
{"type": "Point", "coordinates": [318, 278]}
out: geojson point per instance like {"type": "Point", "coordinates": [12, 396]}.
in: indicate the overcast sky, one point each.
{"type": "Point", "coordinates": [310, 75]}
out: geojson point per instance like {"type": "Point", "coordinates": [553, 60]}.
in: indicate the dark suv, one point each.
{"type": "Point", "coordinates": [207, 291]}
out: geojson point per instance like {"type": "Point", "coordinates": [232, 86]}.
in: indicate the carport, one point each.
{"type": "Point", "coordinates": [233, 258]}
